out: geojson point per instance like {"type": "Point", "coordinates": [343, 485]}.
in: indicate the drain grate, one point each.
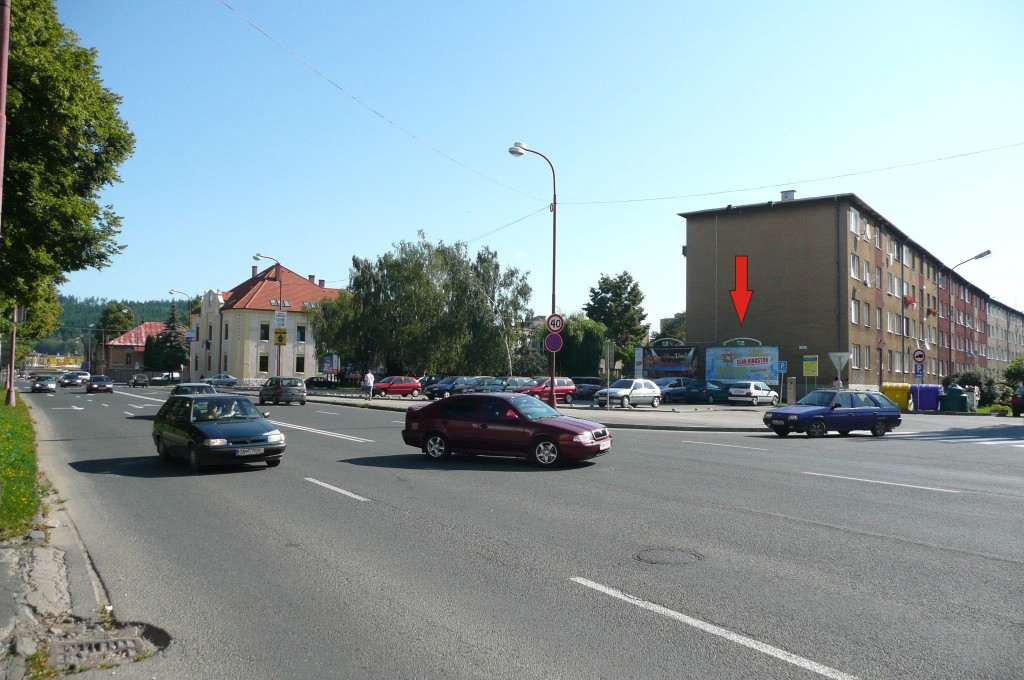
{"type": "Point", "coordinates": [70, 654]}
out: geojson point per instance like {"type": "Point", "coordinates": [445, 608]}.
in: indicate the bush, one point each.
{"type": "Point", "coordinates": [987, 386]}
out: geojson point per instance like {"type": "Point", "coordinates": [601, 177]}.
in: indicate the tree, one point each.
{"type": "Point", "coordinates": [616, 302]}
{"type": "Point", "coordinates": [171, 348]}
{"type": "Point", "coordinates": [582, 346]}
{"type": "Point", "coordinates": [673, 328]}
{"type": "Point", "coordinates": [1014, 371]}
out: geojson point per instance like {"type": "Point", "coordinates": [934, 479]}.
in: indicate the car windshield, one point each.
{"type": "Point", "coordinates": [883, 400]}
{"type": "Point", "coordinates": [661, 382]}
{"type": "Point", "coordinates": [535, 382]}
{"type": "Point", "coordinates": [817, 398]}
{"type": "Point", "coordinates": [446, 381]}
{"type": "Point", "coordinates": [534, 409]}
{"type": "Point", "coordinates": [223, 409]}
{"type": "Point", "coordinates": [622, 383]}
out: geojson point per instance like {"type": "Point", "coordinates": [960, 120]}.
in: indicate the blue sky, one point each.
{"type": "Point", "coordinates": [359, 124]}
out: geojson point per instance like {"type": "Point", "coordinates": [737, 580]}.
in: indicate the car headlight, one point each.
{"type": "Point", "coordinates": [275, 437]}
{"type": "Point", "coordinates": [584, 437]}
{"type": "Point", "coordinates": [215, 442]}
{"type": "Point", "coordinates": [793, 418]}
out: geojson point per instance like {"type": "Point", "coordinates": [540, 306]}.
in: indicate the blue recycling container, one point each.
{"type": "Point", "coordinates": [926, 397]}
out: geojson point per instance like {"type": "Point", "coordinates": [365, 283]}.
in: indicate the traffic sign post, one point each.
{"type": "Point", "coordinates": [556, 323]}
{"type": "Point", "coordinates": [918, 356]}
{"type": "Point", "coordinates": [553, 342]}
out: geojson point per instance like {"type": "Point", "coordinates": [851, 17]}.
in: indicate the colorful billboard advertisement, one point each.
{"type": "Point", "coordinates": [668, 358]}
{"type": "Point", "coordinates": [730, 364]}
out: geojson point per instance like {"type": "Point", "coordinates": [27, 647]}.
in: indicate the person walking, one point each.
{"type": "Point", "coordinates": [368, 384]}
{"type": "Point", "coordinates": [837, 383]}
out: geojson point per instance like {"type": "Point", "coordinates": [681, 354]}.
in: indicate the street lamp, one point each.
{"type": "Point", "coordinates": [518, 149]}
{"type": "Point", "coordinates": [280, 300]}
{"type": "Point", "coordinates": [188, 323]}
{"type": "Point", "coordinates": [952, 310]}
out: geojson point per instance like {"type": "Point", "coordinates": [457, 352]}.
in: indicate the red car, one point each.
{"type": "Point", "coordinates": [1017, 402]}
{"type": "Point", "coordinates": [398, 385]}
{"type": "Point", "coordinates": [502, 424]}
{"type": "Point", "coordinates": [565, 389]}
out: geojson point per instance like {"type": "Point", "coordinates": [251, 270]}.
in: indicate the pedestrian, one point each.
{"type": "Point", "coordinates": [837, 383]}
{"type": "Point", "coordinates": [368, 384]}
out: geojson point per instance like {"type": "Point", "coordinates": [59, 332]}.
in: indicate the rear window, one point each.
{"type": "Point", "coordinates": [291, 382]}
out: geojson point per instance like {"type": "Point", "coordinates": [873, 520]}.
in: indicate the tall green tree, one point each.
{"type": "Point", "coordinates": [582, 346]}
{"type": "Point", "coordinates": [1014, 371]}
{"type": "Point", "coordinates": [673, 328]}
{"type": "Point", "coordinates": [171, 347]}
{"type": "Point", "coordinates": [617, 302]}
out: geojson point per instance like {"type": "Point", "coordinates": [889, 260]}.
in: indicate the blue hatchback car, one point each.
{"type": "Point", "coordinates": [839, 411]}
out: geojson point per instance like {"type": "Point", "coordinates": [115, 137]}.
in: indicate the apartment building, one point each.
{"type": "Point", "coordinates": [832, 274]}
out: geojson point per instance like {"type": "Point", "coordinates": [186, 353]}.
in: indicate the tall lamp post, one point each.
{"type": "Point", "coordinates": [280, 300]}
{"type": "Point", "coordinates": [518, 149]}
{"type": "Point", "coordinates": [188, 322]}
{"type": "Point", "coordinates": [952, 310]}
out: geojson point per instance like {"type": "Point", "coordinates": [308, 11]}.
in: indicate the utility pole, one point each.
{"type": "Point", "coordinates": [5, 44]}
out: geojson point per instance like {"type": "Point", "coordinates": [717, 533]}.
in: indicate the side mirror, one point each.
{"type": "Point", "coordinates": [266, 414]}
{"type": "Point", "coordinates": [836, 405]}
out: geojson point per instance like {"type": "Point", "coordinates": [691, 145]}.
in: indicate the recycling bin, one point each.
{"type": "Point", "coordinates": [926, 397]}
{"type": "Point", "coordinates": [898, 392]}
{"type": "Point", "coordinates": [954, 400]}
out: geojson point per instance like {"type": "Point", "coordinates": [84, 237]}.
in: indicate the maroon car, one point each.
{"type": "Point", "coordinates": [398, 385]}
{"type": "Point", "coordinates": [503, 424]}
{"type": "Point", "coordinates": [565, 389]}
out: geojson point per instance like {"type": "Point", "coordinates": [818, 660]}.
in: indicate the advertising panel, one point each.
{"type": "Point", "coordinates": [730, 364]}
{"type": "Point", "coordinates": [668, 358]}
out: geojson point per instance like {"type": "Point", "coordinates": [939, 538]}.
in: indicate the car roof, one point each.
{"type": "Point", "coordinates": [220, 396]}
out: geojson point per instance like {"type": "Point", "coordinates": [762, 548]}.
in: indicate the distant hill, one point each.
{"type": "Point", "coordinates": [79, 313]}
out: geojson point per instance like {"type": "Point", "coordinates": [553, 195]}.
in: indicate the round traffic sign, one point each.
{"type": "Point", "coordinates": [553, 342]}
{"type": "Point", "coordinates": [919, 356]}
{"type": "Point", "coordinates": [556, 322]}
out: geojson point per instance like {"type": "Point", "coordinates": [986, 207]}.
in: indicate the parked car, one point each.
{"type": "Point", "coordinates": [278, 389]}
{"type": "Point", "coordinates": [322, 382]}
{"type": "Point", "coordinates": [138, 380]}
{"type": "Point", "coordinates": [698, 392]}
{"type": "Point", "coordinates": [630, 392]}
{"type": "Point", "coordinates": [839, 411]}
{"type": "Point", "coordinates": [512, 383]}
{"type": "Point", "coordinates": [668, 383]}
{"type": "Point", "coordinates": [503, 424]}
{"type": "Point", "coordinates": [44, 383]}
{"type": "Point", "coordinates": [99, 383]}
{"type": "Point", "coordinates": [471, 385]}
{"type": "Point", "coordinates": [1017, 402]}
{"type": "Point", "coordinates": [752, 392]}
{"type": "Point", "coordinates": [221, 380]}
{"type": "Point", "coordinates": [429, 379]}
{"type": "Point", "coordinates": [193, 388]}
{"type": "Point", "coordinates": [505, 384]}
{"type": "Point", "coordinates": [565, 389]}
{"type": "Point", "coordinates": [215, 428]}
{"type": "Point", "coordinates": [445, 387]}
{"type": "Point", "coordinates": [587, 386]}
{"type": "Point", "coordinates": [165, 378]}
{"type": "Point", "coordinates": [398, 385]}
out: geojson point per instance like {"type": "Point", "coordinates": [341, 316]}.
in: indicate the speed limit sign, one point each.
{"type": "Point", "coordinates": [556, 322]}
{"type": "Point", "coordinates": [919, 356]}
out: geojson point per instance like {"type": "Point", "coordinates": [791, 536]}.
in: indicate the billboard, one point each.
{"type": "Point", "coordinates": [730, 364]}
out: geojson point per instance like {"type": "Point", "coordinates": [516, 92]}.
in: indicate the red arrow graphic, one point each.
{"type": "Point", "coordinates": [741, 294]}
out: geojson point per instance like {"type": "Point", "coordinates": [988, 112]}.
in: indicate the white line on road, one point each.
{"type": "Point", "coordinates": [739, 639]}
{"type": "Point", "coordinates": [875, 481]}
{"type": "Point", "coordinates": [326, 433]}
{"type": "Point", "coordinates": [67, 408]}
{"type": "Point", "coordinates": [329, 413]}
{"type": "Point", "coordinates": [334, 488]}
{"type": "Point", "coordinates": [728, 446]}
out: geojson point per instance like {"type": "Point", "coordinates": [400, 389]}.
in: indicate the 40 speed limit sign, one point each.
{"type": "Point", "coordinates": [556, 322]}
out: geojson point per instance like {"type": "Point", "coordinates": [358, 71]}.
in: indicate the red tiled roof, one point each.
{"type": "Point", "coordinates": [136, 337]}
{"type": "Point", "coordinates": [258, 291]}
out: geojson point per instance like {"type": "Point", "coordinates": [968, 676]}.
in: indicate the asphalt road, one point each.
{"type": "Point", "coordinates": [678, 555]}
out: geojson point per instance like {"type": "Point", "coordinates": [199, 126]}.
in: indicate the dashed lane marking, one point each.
{"type": "Point", "coordinates": [334, 488]}
{"type": "Point", "coordinates": [326, 433]}
{"type": "Point", "coordinates": [876, 481]}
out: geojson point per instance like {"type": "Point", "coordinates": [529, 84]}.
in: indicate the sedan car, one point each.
{"type": "Point", "coordinates": [193, 388]}
{"type": "Point", "coordinates": [444, 387]}
{"type": "Point", "coordinates": [397, 385]}
{"type": "Point", "coordinates": [71, 380]}
{"type": "Point", "coordinates": [503, 424]}
{"type": "Point", "coordinates": [100, 383]}
{"type": "Point", "coordinates": [44, 383]}
{"type": "Point", "coordinates": [699, 392]}
{"type": "Point", "coordinates": [629, 392]}
{"type": "Point", "coordinates": [565, 389]}
{"type": "Point", "coordinates": [215, 428]}
{"type": "Point", "coordinates": [221, 379]}
{"type": "Point", "coordinates": [752, 392]}
{"type": "Point", "coordinates": [138, 380]}
{"type": "Point", "coordinates": [278, 389]}
{"type": "Point", "coordinates": [668, 383]}
{"type": "Point", "coordinates": [839, 411]}
{"type": "Point", "coordinates": [1017, 402]}
{"type": "Point", "coordinates": [587, 387]}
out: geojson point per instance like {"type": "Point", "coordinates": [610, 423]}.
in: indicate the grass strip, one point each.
{"type": "Point", "coordinates": [19, 487]}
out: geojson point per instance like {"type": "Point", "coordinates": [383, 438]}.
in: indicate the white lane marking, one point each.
{"type": "Point", "coordinates": [329, 413]}
{"type": "Point", "coordinates": [334, 488]}
{"type": "Point", "coordinates": [875, 481]}
{"type": "Point", "coordinates": [68, 408]}
{"type": "Point", "coordinates": [739, 639]}
{"type": "Point", "coordinates": [728, 446]}
{"type": "Point", "coordinates": [129, 413]}
{"type": "Point", "coordinates": [400, 422]}
{"type": "Point", "coordinates": [323, 432]}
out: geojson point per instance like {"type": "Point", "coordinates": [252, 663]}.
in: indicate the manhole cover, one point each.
{"type": "Point", "coordinates": [668, 556]}
{"type": "Point", "coordinates": [70, 654]}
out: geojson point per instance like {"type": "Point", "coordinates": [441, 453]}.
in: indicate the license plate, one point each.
{"type": "Point", "coordinates": [253, 451]}
{"type": "Point", "coordinates": [778, 422]}
{"type": "Point", "coordinates": [604, 446]}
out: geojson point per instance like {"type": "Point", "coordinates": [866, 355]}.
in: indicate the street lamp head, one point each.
{"type": "Point", "coordinates": [257, 257]}
{"type": "Point", "coordinates": [517, 149]}
{"type": "Point", "coordinates": [984, 254]}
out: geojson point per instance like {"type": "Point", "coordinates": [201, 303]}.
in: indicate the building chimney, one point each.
{"type": "Point", "coordinates": [312, 278]}
{"type": "Point", "coordinates": [254, 271]}
{"type": "Point", "coordinates": [321, 283]}
{"type": "Point", "coordinates": [788, 194]}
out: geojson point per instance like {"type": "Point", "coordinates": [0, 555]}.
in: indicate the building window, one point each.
{"type": "Point", "coordinates": [854, 311]}
{"type": "Point", "coordinates": [855, 356]}
{"type": "Point", "coordinates": [224, 366]}
{"type": "Point", "coordinates": [264, 363]}
{"type": "Point", "coordinates": [300, 333]}
{"type": "Point", "coordinates": [867, 358]}
{"type": "Point", "coordinates": [209, 362]}
{"type": "Point", "coordinates": [854, 266]}
{"type": "Point", "coordinates": [890, 363]}
{"type": "Point", "coordinates": [878, 317]}
{"type": "Point", "coordinates": [300, 364]}
{"type": "Point", "coordinates": [225, 330]}
{"type": "Point", "coordinates": [854, 221]}
{"type": "Point", "coordinates": [264, 331]}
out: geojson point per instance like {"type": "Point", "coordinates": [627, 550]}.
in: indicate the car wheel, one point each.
{"type": "Point", "coordinates": [775, 400]}
{"type": "Point", "coordinates": [844, 433]}
{"type": "Point", "coordinates": [568, 400]}
{"type": "Point", "coordinates": [816, 428]}
{"type": "Point", "coordinates": [161, 450]}
{"type": "Point", "coordinates": [193, 460]}
{"type": "Point", "coordinates": [545, 452]}
{"type": "Point", "coordinates": [879, 428]}
{"type": "Point", "coordinates": [781, 431]}
{"type": "Point", "coordinates": [711, 402]}
{"type": "Point", "coordinates": [625, 402]}
{"type": "Point", "coordinates": [436, 446]}
{"type": "Point", "coordinates": [446, 394]}
{"type": "Point", "coordinates": [277, 402]}
{"type": "Point", "coordinates": [414, 394]}
{"type": "Point", "coordinates": [753, 401]}
{"type": "Point", "coordinates": [302, 403]}
{"type": "Point", "coordinates": [656, 402]}
{"type": "Point", "coordinates": [273, 463]}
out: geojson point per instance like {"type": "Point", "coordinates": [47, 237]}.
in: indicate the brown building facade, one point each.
{"type": "Point", "coordinates": [831, 274]}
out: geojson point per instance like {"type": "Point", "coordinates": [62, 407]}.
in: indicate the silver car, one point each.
{"type": "Point", "coordinates": [630, 392]}
{"type": "Point", "coordinates": [278, 389]}
{"type": "Point", "coordinates": [753, 393]}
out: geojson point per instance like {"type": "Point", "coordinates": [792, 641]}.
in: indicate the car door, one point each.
{"type": "Point", "coordinates": [865, 411]}
{"type": "Point", "coordinates": [173, 424]}
{"type": "Point", "coordinates": [500, 429]}
{"type": "Point", "coordinates": [842, 416]}
{"type": "Point", "coordinates": [457, 418]}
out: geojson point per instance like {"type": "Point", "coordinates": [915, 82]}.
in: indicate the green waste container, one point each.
{"type": "Point", "coordinates": [955, 400]}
